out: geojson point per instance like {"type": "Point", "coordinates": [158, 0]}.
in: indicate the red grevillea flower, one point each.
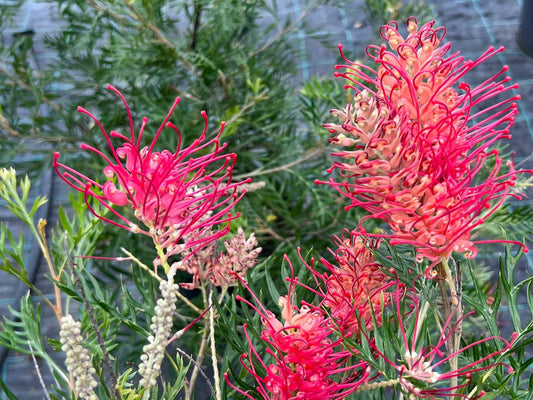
{"type": "Point", "coordinates": [173, 194]}
{"type": "Point", "coordinates": [423, 370]}
{"type": "Point", "coordinates": [307, 358]}
{"type": "Point", "coordinates": [417, 139]}
{"type": "Point", "coordinates": [355, 286]}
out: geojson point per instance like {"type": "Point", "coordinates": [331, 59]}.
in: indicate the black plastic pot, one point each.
{"type": "Point", "coordinates": [524, 37]}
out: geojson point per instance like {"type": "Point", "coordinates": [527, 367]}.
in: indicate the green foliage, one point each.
{"type": "Point", "coordinates": [506, 303]}
{"type": "Point", "coordinates": [16, 196]}
{"type": "Point", "coordinates": [318, 96]}
{"type": "Point", "coordinates": [22, 333]}
{"type": "Point", "coordinates": [10, 395]}
{"type": "Point", "coordinates": [114, 317]}
{"type": "Point", "coordinates": [515, 219]}
{"type": "Point", "coordinates": [380, 12]}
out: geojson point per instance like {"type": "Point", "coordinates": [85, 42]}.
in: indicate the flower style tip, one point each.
{"type": "Point", "coordinates": [416, 140]}
{"type": "Point", "coordinates": [171, 193]}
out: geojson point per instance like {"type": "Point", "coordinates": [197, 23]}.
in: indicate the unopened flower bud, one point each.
{"type": "Point", "coordinates": [78, 360]}
{"type": "Point", "coordinates": [154, 350]}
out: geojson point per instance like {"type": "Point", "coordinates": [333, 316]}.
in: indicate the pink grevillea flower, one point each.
{"type": "Point", "coordinates": [173, 194]}
{"type": "Point", "coordinates": [418, 141]}
{"type": "Point", "coordinates": [354, 288]}
{"type": "Point", "coordinates": [307, 360]}
{"type": "Point", "coordinates": [423, 369]}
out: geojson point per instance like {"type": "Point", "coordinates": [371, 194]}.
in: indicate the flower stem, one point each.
{"type": "Point", "coordinates": [40, 236]}
{"type": "Point", "coordinates": [482, 380]}
{"type": "Point", "coordinates": [213, 345]}
{"type": "Point", "coordinates": [284, 167]}
{"type": "Point", "coordinates": [378, 385]}
{"type": "Point", "coordinates": [201, 352]}
{"type": "Point", "coordinates": [167, 268]}
{"type": "Point", "coordinates": [452, 298]}
{"type": "Point", "coordinates": [444, 268]}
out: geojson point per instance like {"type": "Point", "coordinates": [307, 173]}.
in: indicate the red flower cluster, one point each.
{"type": "Point", "coordinates": [311, 352]}
{"type": "Point", "coordinates": [308, 360]}
{"type": "Point", "coordinates": [173, 194]}
{"type": "Point", "coordinates": [354, 288]}
{"type": "Point", "coordinates": [419, 141]}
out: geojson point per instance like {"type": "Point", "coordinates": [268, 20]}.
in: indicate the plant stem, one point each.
{"type": "Point", "coordinates": [482, 380]}
{"type": "Point", "coordinates": [141, 24]}
{"type": "Point", "coordinates": [166, 267]}
{"type": "Point", "coordinates": [17, 203]}
{"type": "Point", "coordinates": [216, 376]}
{"type": "Point", "coordinates": [452, 298]}
{"type": "Point", "coordinates": [289, 28]}
{"type": "Point", "coordinates": [4, 123]}
{"type": "Point", "coordinates": [378, 385]}
{"type": "Point", "coordinates": [284, 167]}
{"type": "Point", "coordinates": [41, 238]}
{"type": "Point", "coordinates": [36, 364]}
{"type": "Point", "coordinates": [17, 81]}
{"type": "Point", "coordinates": [196, 27]}
{"type": "Point", "coordinates": [199, 369]}
{"type": "Point", "coordinates": [421, 317]}
{"type": "Point", "coordinates": [248, 104]}
{"type": "Point", "coordinates": [153, 28]}
{"type": "Point", "coordinates": [201, 352]}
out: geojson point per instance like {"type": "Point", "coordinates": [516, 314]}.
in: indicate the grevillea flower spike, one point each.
{"type": "Point", "coordinates": [173, 194]}
{"type": "Point", "coordinates": [354, 290]}
{"type": "Point", "coordinates": [418, 139]}
{"type": "Point", "coordinates": [307, 359]}
{"type": "Point", "coordinates": [356, 286]}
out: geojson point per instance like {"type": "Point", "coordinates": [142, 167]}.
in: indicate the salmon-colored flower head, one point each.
{"type": "Point", "coordinates": [172, 193]}
{"type": "Point", "coordinates": [354, 288]}
{"type": "Point", "coordinates": [418, 140]}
